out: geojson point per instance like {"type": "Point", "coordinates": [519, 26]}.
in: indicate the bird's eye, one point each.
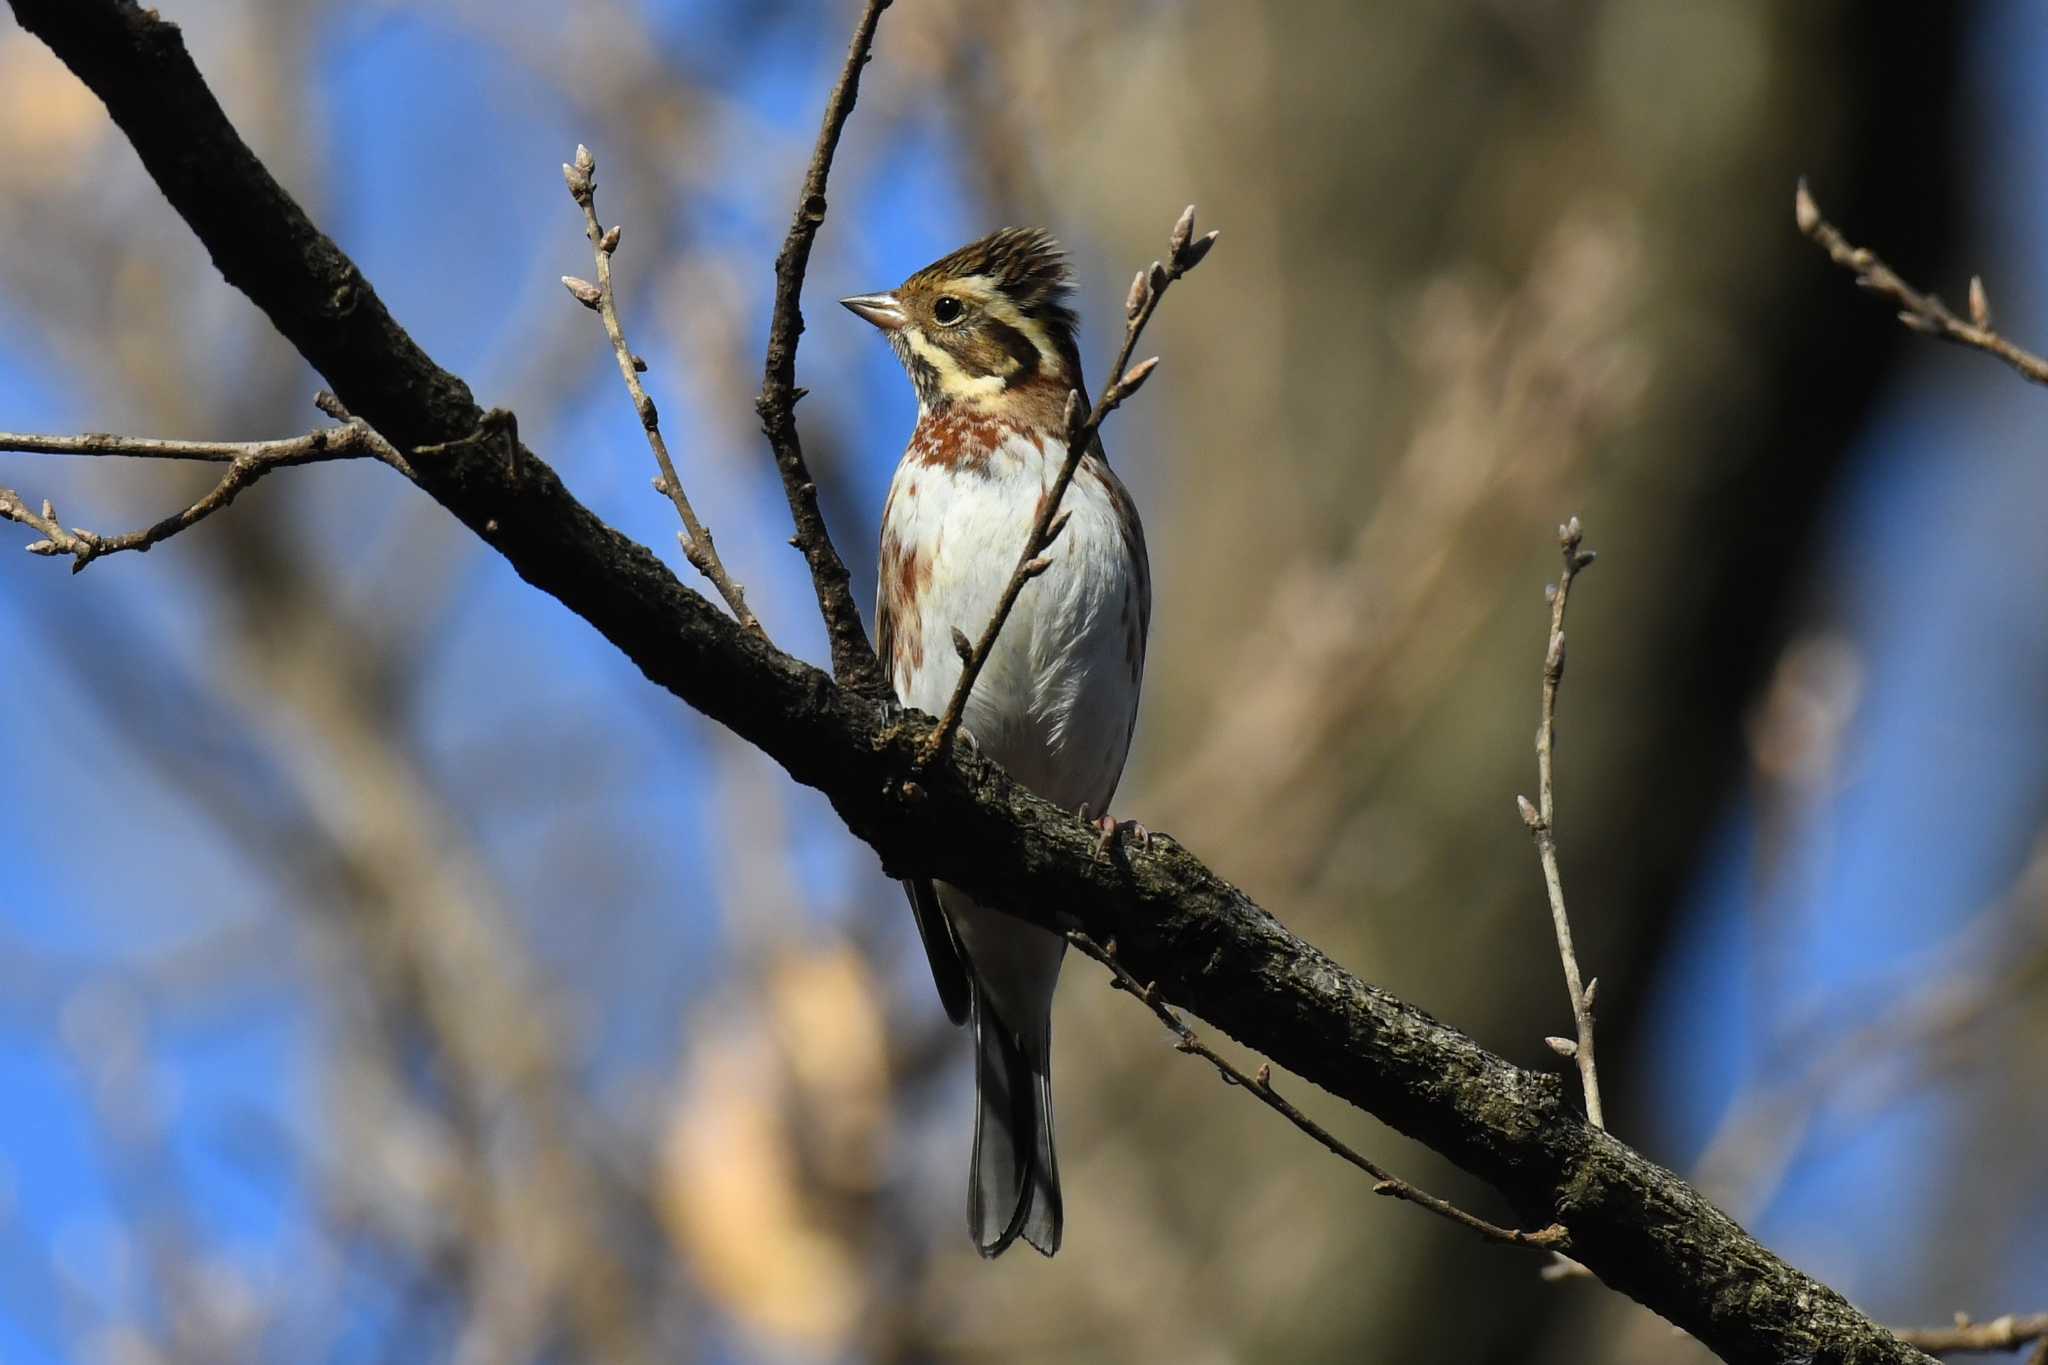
{"type": "Point", "coordinates": [947, 310]}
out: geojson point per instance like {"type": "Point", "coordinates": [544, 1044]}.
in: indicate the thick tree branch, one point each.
{"type": "Point", "coordinates": [1210, 948]}
{"type": "Point", "coordinates": [853, 658]}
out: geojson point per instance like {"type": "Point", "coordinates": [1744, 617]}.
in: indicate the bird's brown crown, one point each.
{"type": "Point", "coordinates": [987, 326]}
{"type": "Point", "coordinates": [1025, 265]}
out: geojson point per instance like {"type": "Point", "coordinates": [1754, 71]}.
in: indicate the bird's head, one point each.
{"type": "Point", "coordinates": [985, 327]}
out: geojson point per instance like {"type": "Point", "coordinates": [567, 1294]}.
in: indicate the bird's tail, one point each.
{"type": "Point", "coordinates": [1014, 1187]}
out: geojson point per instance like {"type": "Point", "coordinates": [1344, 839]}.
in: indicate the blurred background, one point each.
{"type": "Point", "coordinates": [388, 973]}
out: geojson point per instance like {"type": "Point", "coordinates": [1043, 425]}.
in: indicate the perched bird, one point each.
{"type": "Point", "coordinates": [987, 337]}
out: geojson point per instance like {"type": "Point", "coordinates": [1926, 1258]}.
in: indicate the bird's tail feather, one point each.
{"type": "Point", "coordinates": [1014, 1186]}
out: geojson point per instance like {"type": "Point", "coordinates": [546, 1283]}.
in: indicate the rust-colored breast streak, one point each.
{"type": "Point", "coordinates": [956, 441]}
{"type": "Point", "coordinates": [913, 572]}
{"type": "Point", "coordinates": [899, 620]}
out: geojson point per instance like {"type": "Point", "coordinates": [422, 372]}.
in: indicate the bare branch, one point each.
{"type": "Point", "coordinates": [1184, 252]}
{"type": "Point", "coordinates": [1261, 1086]}
{"type": "Point", "coordinates": [1541, 819]}
{"type": "Point", "coordinates": [1921, 312]}
{"type": "Point", "coordinates": [2007, 1333]}
{"type": "Point", "coordinates": [247, 461]}
{"type": "Point", "coordinates": [695, 538]}
{"type": "Point", "coordinates": [853, 658]}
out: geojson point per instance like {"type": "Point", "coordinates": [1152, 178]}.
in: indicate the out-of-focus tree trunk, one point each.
{"type": "Point", "coordinates": [1483, 266]}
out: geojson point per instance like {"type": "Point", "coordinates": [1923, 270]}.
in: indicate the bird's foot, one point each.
{"type": "Point", "coordinates": [1109, 828]}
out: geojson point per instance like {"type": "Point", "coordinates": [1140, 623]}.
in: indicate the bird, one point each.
{"type": "Point", "coordinates": [987, 337]}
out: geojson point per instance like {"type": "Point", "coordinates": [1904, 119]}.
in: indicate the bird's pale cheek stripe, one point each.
{"type": "Point", "coordinates": [952, 379]}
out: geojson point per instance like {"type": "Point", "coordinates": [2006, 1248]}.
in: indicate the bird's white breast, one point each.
{"type": "Point", "coordinates": [1056, 701]}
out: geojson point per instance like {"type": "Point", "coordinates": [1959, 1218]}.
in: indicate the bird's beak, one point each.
{"type": "Point", "coordinates": [881, 309]}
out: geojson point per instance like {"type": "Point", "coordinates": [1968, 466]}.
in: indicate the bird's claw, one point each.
{"type": "Point", "coordinates": [1109, 827]}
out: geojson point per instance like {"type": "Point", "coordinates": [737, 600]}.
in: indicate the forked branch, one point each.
{"type": "Point", "coordinates": [247, 461]}
{"type": "Point", "coordinates": [1184, 252]}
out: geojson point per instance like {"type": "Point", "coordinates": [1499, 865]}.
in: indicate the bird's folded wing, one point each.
{"type": "Point", "coordinates": [949, 963]}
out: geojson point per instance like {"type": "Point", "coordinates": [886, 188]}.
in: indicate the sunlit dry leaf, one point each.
{"type": "Point", "coordinates": [730, 1195]}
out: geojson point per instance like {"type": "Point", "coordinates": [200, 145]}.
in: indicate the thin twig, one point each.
{"type": "Point", "coordinates": [853, 659]}
{"type": "Point", "coordinates": [2007, 1333]}
{"type": "Point", "coordinates": [1541, 819]}
{"type": "Point", "coordinates": [1921, 312]}
{"type": "Point", "coordinates": [346, 442]}
{"type": "Point", "coordinates": [1261, 1086]}
{"type": "Point", "coordinates": [1184, 252]}
{"type": "Point", "coordinates": [695, 537]}
{"type": "Point", "coordinates": [247, 461]}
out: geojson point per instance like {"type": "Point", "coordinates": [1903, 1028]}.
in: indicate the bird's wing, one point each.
{"type": "Point", "coordinates": [941, 947]}
{"type": "Point", "coordinates": [949, 963]}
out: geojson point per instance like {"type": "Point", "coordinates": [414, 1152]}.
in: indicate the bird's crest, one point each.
{"type": "Point", "coordinates": [1026, 264]}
